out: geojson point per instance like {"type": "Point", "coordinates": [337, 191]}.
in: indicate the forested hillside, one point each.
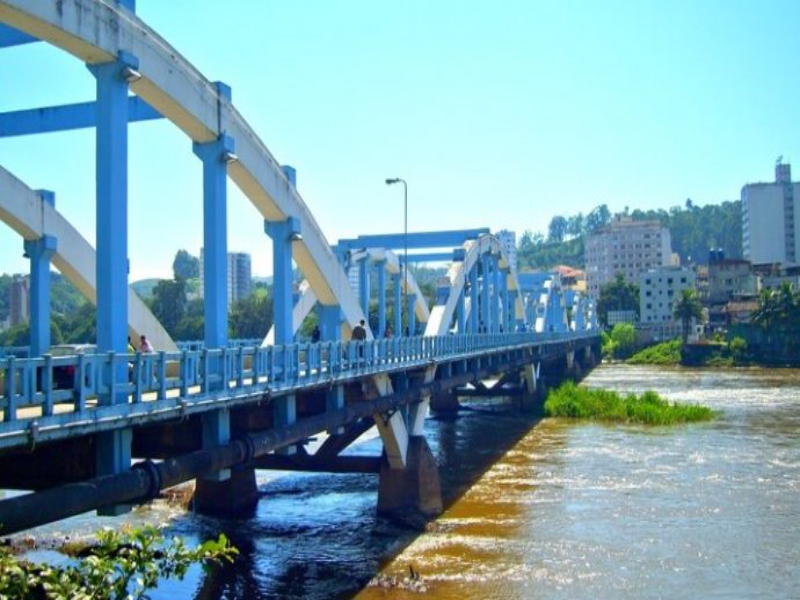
{"type": "Point", "coordinates": [694, 229]}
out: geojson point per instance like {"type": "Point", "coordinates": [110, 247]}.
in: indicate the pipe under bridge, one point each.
{"type": "Point", "coordinates": [105, 430]}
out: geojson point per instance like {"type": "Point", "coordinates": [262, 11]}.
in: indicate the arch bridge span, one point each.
{"type": "Point", "coordinates": [94, 431]}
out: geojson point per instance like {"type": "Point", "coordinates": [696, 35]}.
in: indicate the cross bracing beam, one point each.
{"type": "Point", "coordinates": [67, 117]}
{"type": "Point", "coordinates": [14, 37]}
{"type": "Point", "coordinates": [416, 241]}
{"type": "Point", "coordinates": [457, 254]}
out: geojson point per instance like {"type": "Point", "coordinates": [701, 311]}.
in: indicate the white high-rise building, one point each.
{"type": "Point", "coordinates": [628, 247]}
{"type": "Point", "coordinates": [508, 240]}
{"type": "Point", "coordinates": [770, 220]}
{"type": "Point", "coordinates": [240, 280]}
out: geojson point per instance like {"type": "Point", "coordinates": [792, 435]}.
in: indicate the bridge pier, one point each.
{"type": "Point", "coordinates": [236, 496]}
{"type": "Point", "coordinates": [411, 495]}
{"type": "Point", "coordinates": [445, 403]}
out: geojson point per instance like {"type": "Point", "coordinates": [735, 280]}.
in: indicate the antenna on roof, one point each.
{"type": "Point", "coordinates": [779, 160]}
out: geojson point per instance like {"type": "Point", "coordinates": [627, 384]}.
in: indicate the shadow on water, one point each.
{"type": "Point", "coordinates": [318, 536]}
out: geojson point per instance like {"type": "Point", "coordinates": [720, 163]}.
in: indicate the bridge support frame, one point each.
{"type": "Point", "coordinates": [284, 234]}
{"type": "Point", "coordinates": [113, 449]}
{"type": "Point", "coordinates": [381, 266]}
{"type": "Point", "coordinates": [398, 305]}
{"type": "Point", "coordinates": [40, 252]}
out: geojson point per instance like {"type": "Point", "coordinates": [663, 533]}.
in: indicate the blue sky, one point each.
{"type": "Point", "coordinates": [499, 114]}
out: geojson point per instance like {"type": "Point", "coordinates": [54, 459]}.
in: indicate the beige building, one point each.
{"type": "Point", "coordinates": [628, 247]}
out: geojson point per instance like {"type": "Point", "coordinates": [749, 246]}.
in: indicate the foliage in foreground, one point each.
{"type": "Point", "coordinates": [573, 402]}
{"type": "Point", "coordinates": [665, 353]}
{"type": "Point", "coordinates": [123, 565]}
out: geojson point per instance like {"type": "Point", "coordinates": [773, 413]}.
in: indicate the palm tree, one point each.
{"type": "Point", "coordinates": [768, 310]}
{"type": "Point", "coordinates": [686, 308]}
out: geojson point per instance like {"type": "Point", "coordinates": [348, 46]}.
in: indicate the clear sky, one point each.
{"type": "Point", "coordinates": [499, 114]}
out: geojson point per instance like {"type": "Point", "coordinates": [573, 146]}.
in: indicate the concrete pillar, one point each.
{"type": "Point", "coordinates": [486, 299]}
{"type": "Point", "coordinates": [330, 318]}
{"type": "Point", "coordinates": [237, 496]}
{"type": "Point", "coordinates": [113, 448]}
{"type": "Point", "coordinates": [474, 315]}
{"type": "Point", "coordinates": [40, 252]}
{"type": "Point", "coordinates": [495, 302]}
{"type": "Point", "coordinates": [381, 266]}
{"type": "Point", "coordinates": [411, 495]}
{"type": "Point", "coordinates": [412, 315]}
{"type": "Point", "coordinates": [214, 156]}
{"type": "Point", "coordinates": [363, 282]}
{"type": "Point", "coordinates": [445, 403]}
{"type": "Point", "coordinates": [398, 305]}
{"type": "Point", "coordinates": [461, 313]}
{"type": "Point", "coordinates": [283, 234]}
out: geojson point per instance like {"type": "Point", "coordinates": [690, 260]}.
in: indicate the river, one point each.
{"type": "Point", "coordinates": [549, 510]}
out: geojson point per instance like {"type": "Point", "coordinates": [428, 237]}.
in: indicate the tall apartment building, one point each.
{"type": "Point", "coordinates": [658, 290]}
{"type": "Point", "coordinates": [508, 240]}
{"type": "Point", "coordinates": [771, 220]}
{"type": "Point", "coordinates": [240, 277]}
{"type": "Point", "coordinates": [19, 303]}
{"type": "Point", "coordinates": [628, 247]}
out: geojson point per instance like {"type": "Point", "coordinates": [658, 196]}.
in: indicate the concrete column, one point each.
{"type": "Point", "coordinates": [486, 315]}
{"type": "Point", "coordinates": [398, 305]}
{"type": "Point", "coordinates": [113, 449]}
{"type": "Point", "coordinates": [412, 315]}
{"type": "Point", "coordinates": [363, 283]}
{"type": "Point", "coordinates": [216, 427]}
{"type": "Point", "coordinates": [283, 234]}
{"type": "Point", "coordinates": [411, 495]}
{"type": "Point", "coordinates": [381, 266]}
{"type": "Point", "coordinates": [40, 252]}
{"type": "Point", "coordinates": [330, 318]}
{"type": "Point", "coordinates": [461, 313]}
{"type": "Point", "coordinates": [473, 294]}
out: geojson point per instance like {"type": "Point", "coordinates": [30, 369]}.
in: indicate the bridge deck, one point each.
{"type": "Point", "coordinates": [168, 385]}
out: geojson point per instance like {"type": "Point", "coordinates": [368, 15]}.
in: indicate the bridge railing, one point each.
{"type": "Point", "coordinates": [47, 388]}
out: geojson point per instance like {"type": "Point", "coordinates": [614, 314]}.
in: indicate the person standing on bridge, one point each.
{"type": "Point", "coordinates": [360, 335]}
{"type": "Point", "coordinates": [145, 345]}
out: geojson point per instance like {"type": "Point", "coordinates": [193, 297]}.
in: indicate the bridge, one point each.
{"type": "Point", "coordinates": [107, 430]}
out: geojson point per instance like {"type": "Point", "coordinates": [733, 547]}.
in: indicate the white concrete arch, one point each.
{"type": "Point", "coordinates": [95, 32]}
{"type": "Point", "coordinates": [31, 217]}
{"type": "Point", "coordinates": [442, 314]}
{"type": "Point", "coordinates": [551, 310]}
{"type": "Point", "coordinates": [308, 299]}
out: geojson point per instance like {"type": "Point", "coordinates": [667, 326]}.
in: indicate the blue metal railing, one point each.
{"type": "Point", "coordinates": [46, 393]}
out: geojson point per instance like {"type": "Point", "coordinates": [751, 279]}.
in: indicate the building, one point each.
{"type": "Point", "coordinates": [729, 278]}
{"type": "Point", "coordinates": [508, 240]}
{"type": "Point", "coordinates": [770, 220]}
{"type": "Point", "coordinates": [19, 302]}
{"type": "Point", "coordinates": [658, 290]}
{"type": "Point", "coordinates": [628, 247]}
{"type": "Point", "coordinates": [572, 279]}
{"type": "Point", "coordinates": [240, 276]}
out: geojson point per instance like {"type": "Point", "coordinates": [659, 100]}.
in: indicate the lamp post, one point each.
{"type": "Point", "coordinates": [404, 268]}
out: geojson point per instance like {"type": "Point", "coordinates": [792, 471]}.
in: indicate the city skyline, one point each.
{"type": "Point", "coordinates": [524, 110]}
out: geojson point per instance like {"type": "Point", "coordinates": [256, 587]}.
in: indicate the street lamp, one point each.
{"type": "Point", "coordinates": [404, 269]}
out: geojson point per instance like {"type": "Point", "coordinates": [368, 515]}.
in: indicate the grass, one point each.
{"type": "Point", "coordinates": [573, 402]}
{"type": "Point", "coordinates": [665, 353]}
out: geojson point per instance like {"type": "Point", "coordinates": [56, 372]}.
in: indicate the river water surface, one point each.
{"type": "Point", "coordinates": [549, 510]}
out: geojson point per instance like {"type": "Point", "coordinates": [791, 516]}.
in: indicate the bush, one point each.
{"type": "Point", "coordinates": [573, 402]}
{"type": "Point", "coordinates": [738, 349]}
{"type": "Point", "coordinates": [122, 565]}
{"type": "Point", "coordinates": [623, 336]}
{"type": "Point", "coordinates": [665, 353]}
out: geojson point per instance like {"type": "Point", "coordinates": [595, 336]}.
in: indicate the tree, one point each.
{"type": "Point", "coordinates": [686, 309]}
{"type": "Point", "coordinates": [623, 340]}
{"type": "Point", "coordinates": [185, 266]}
{"type": "Point", "coordinates": [617, 295]}
{"type": "Point", "coordinates": [557, 229]}
{"type": "Point", "coordinates": [599, 217]}
{"type": "Point", "coordinates": [169, 303]}
{"type": "Point", "coordinates": [575, 225]}
{"type": "Point", "coordinates": [251, 317]}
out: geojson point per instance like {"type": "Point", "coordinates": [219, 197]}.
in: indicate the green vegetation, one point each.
{"type": "Point", "coordinates": [665, 353]}
{"type": "Point", "coordinates": [122, 565]}
{"type": "Point", "coordinates": [617, 295]}
{"type": "Point", "coordinates": [620, 343]}
{"type": "Point", "coordinates": [573, 402]}
{"type": "Point", "coordinates": [688, 308]}
{"type": "Point", "coordinates": [693, 230]}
